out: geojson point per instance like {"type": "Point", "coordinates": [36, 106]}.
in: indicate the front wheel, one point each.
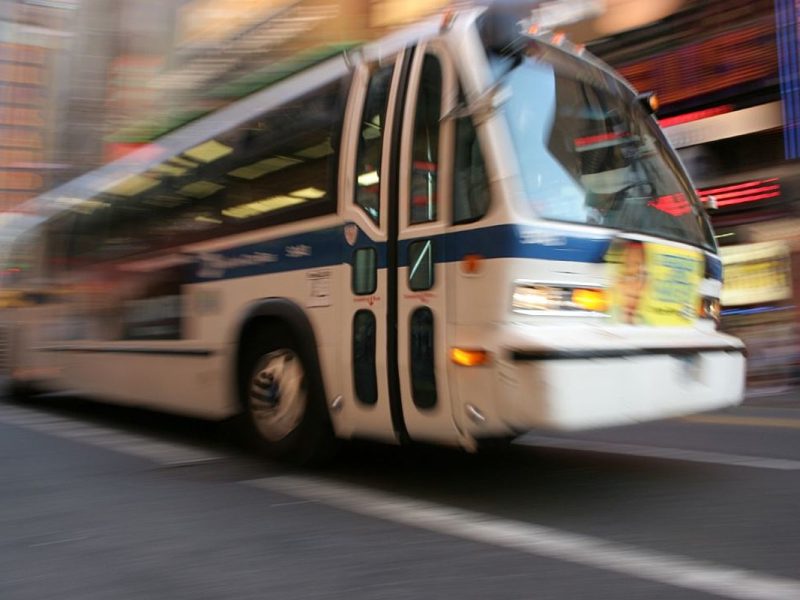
{"type": "Point", "coordinates": [285, 410]}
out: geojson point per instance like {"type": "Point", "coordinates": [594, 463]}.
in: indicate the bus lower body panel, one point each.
{"type": "Point", "coordinates": [592, 384]}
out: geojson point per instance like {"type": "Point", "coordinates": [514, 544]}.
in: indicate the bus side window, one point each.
{"type": "Point", "coordinates": [271, 169]}
{"type": "Point", "coordinates": [370, 143]}
{"type": "Point", "coordinates": [470, 183]}
{"type": "Point", "coordinates": [425, 152]}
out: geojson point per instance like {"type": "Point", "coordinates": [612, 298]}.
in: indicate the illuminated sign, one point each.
{"type": "Point", "coordinates": [697, 115]}
{"type": "Point", "coordinates": [718, 124]}
{"type": "Point", "coordinates": [741, 193]}
{"type": "Point", "coordinates": [786, 15]}
{"type": "Point", "coordinates": [720, 62]}
{"type": "Point", "coordinates": [756, 273]}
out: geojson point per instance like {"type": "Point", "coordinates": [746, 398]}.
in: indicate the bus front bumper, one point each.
{"type": "Point", "coordinates": [592, 384]}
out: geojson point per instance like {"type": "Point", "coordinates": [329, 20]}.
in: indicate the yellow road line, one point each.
{"type": "Point", "coordinates": [744, 421]}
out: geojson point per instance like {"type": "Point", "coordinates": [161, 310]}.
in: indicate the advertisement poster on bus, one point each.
{"type": "Point", "coordinates": [654, 284]}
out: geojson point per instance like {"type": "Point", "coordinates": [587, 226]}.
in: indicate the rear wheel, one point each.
{"type": "Point", "coordinates": [284, 405]}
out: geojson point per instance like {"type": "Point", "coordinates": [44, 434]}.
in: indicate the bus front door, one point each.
{"type": "Point", "coordinates": [418, 250]}
{"type": "Point", "coordinates": [393, 197]}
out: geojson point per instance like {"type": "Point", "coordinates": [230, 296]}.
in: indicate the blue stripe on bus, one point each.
{"type": "Point", "coordinates": [308, 250]}
{"type": "Point", "coordinates": [327, 248]}
{"type": "Point", "coordinates": [511, 241]}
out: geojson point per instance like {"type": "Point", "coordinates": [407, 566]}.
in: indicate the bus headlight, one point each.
{"type": "Point", "coordinates": [710, 309]}
{"type": "Point", "coordinates": [534, 298]}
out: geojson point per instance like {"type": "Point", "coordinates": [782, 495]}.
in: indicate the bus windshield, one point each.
{"type": "Point", "coordinates": [590, 154]}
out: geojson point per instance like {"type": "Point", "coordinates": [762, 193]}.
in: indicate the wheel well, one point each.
{"type": "Point", "coordinates": [247, 335]}
{"type": "Point", "coordinates": [282, 320]}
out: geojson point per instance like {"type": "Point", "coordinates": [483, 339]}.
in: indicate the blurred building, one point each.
{"type": "Point", "coordinates": [220, 50]}
{"type": "Point", "coordinates": [33, 39]}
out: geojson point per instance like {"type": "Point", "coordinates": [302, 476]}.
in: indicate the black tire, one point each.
{"type": "Point", "coordinates": [495, 446]}
{"type": "Point", "coordinates": [304, 435]}
{"type": "Point", "coordinates": [19, 391]}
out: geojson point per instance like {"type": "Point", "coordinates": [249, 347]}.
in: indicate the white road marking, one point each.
{"type": "Point", "coordinates": [541, 541]}
{"type": "Point", "coordinates": [155, 450]}
{"type": "Point", "coordinates": [699, 456]}
{"type": "Point", "coordinates": [60, 541]}
{"type": "Point", "coordinates": [673, 570]}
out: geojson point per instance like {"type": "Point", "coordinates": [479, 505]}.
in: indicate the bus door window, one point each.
{"type": "Point", "coordinates": [470, 183]}
{"type": "Point", "coordinates": [423, 371]}
{"type": "Point", "coordinates": [370, 142]}
{"type": "Point", "coordinates": [425, 205]}
{"type": "Point", "coordinates": [364, 371]}
{"type": "Point", "coordinates": [365, 271]}
{"type": "Point", "coordinates": [420, 278]}
{"type": "Point", "coordinates": [420, 265]}
{"type": "Point", "coordinates": [364, 282]}
{"type": "Point", "coordinates": [368, 176]}
{"type": "Point", "coordinates": [425, 152]}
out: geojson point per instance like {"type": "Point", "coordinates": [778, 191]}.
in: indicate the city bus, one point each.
{"type": "Point", "coordinates": [453, 235]}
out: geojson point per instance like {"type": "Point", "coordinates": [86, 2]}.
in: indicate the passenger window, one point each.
{"type": "Point", "coordinates": [364, 373]}
{"type": "Point", "coordinates": [370, 143]}
{"type": "Point", "coordinates": [425, 150]}
{"type": "Point", "coordinates": [273, 168]}
{"type": "Point", "coordinates": [423, 376]}
{"type": "Point", "coordinates": [470, 184]}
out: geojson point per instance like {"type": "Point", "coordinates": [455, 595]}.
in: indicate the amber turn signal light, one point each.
{"type": "Point", "coordinates": [469, 358]}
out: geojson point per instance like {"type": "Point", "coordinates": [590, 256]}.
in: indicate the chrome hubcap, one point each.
{"type": "Point", "coordinates": [277, 394]}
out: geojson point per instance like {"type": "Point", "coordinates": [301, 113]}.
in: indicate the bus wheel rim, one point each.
{"type": "Point", "coordinates": [277, 395]}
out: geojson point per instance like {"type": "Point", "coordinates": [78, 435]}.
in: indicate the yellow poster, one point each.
{"type": "Point", "coordinates": [654, 284]}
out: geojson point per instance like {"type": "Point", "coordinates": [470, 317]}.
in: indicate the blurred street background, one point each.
{"type": "Point", "coordinates": [83, 82]}
{"type": "Point", "coordinates": [102, 502]}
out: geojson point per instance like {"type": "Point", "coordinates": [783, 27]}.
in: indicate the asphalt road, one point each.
{"type": "Point", "coordinates": [105, 503]}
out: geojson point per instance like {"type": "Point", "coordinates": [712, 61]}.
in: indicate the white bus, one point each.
{"type": "Point", "coordinates": [455, 234]}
